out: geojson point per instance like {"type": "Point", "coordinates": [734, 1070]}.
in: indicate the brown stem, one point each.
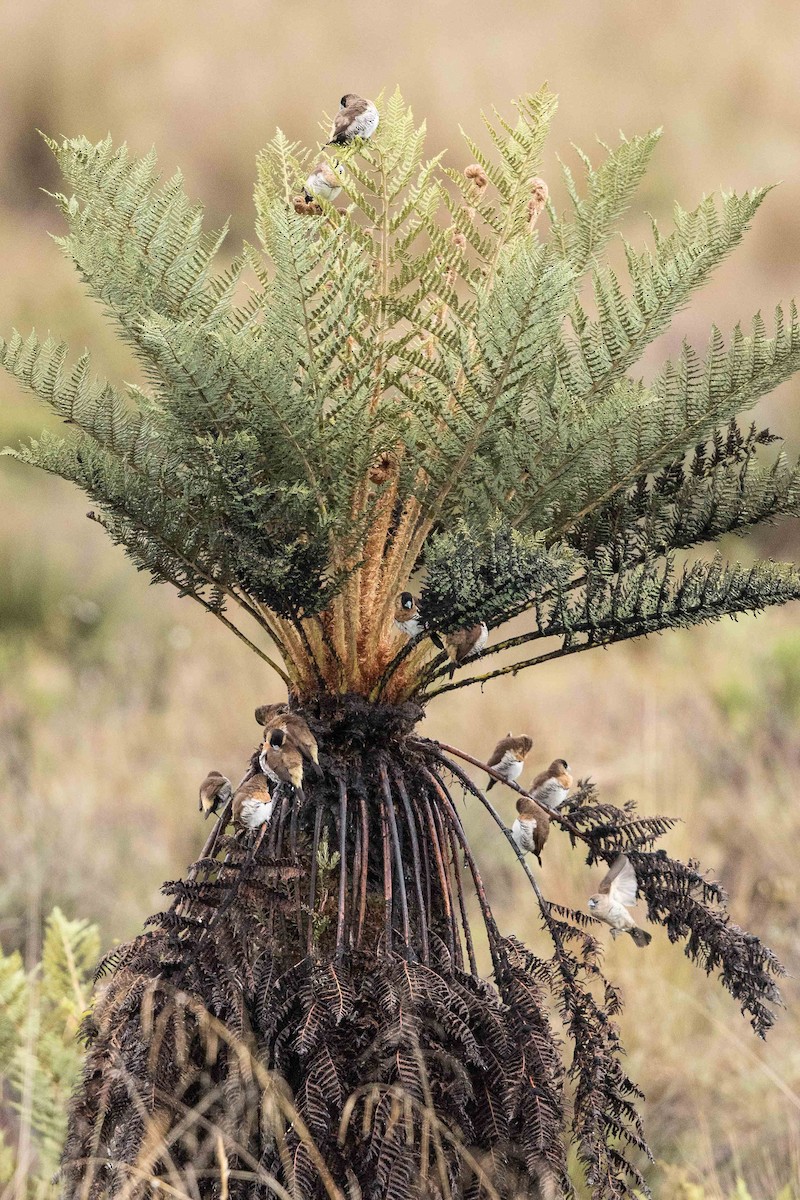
{"type": "Point", "coordinates": [444, 880]}
{"type": "Point", "coordinates": [422, 911]}
{"type": "Point", "coordinates": [312, 887]}
{"type": "Point", "coordinates": [362, 902]}
{"type": "Point", "coordinates": [387, 878]}
{"type": "Point", "coordinates": [398, 857]}
{"type": "Point", "coordinates": [342, 868]}
{"type": "Point", "coordinates": [460, 893]}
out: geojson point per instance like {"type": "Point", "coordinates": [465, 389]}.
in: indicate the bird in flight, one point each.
{"type": "Point", "coordinates": [616, 895]}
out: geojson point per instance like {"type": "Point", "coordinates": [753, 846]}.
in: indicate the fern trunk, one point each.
{"type": "Point", "coordinates": [335, 950]}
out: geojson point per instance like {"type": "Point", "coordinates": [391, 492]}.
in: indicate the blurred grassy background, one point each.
{"type": "Point", "coordinates": [114, 700]}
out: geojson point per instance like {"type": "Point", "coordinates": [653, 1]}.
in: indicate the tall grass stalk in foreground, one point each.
{"type": "Point", "coordinates": [416, 395]}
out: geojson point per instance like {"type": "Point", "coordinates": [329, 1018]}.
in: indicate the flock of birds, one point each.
{"type": "Point", "coordinates": [288, 748]}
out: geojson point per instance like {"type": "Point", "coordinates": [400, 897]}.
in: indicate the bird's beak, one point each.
{"type": "Point", "coordinates": [592, 904]}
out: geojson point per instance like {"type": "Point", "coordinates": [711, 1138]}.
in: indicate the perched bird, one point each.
{"type": "Point", "coordinates": [552, 786]}
{"type": "Point", "coordinates": [253, 804]}
{"type": "Point", "coordinates": [278, 716]}
{"type": "Point", "coordinates": [215, 792]}
{"type": "Point", "coordinates": [508, 758]}
{"type": "Point", "coordinates": [323, 181]}
{"type": "Point", "coordinates": [462, 644]}
{"type": "Point", "coordinates": [356, 118]}
{"type": "Point", "coordinates": [280, 758]}
{"type": "Point", "coordinates": [617, 894]}
{"type": "Point", "coordinates": [406, 615]}
{"type": "Point", "coordinates": [532, 827]}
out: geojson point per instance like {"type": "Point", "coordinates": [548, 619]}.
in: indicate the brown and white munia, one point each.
{"type": "Point", "coordinates": [323, 181]}
{"type": "Point", "coordinates": [215, 792]}
{"type": "Point", "coordinates": [280, 758]}
{"type": "Point", "coordinates": [279, 716]}
{"type": "Point", "coordinates": [356, 117]}
{"type": "Point", "coordinates": [616, 895]}
{"type": "Point", "coordinates": [508, 758]}
{"type": "Point", "coordinates": [462, 644]}
{"type": "Point", "coordinates": [532, 827]}
{"type": "Point", "coordinates": [253, 804]}
{"type": "Point", "coordinates": [406, 615]}
{"type": "Point", "coordinates": [551, 787]}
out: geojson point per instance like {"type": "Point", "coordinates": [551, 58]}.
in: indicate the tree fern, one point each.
{"type": "Point", "coordinates": [430, 388]}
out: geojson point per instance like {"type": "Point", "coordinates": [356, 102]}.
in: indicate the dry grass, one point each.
{"type": "Point", "coordinates": [110, 715]}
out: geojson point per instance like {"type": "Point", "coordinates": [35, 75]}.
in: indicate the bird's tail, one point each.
{"type": "Point", "coordinates": [307, 197]}
{"type": "Point", "coordinates": [640, 936]}
{"type": "Point", "coordinates": [490, 784]}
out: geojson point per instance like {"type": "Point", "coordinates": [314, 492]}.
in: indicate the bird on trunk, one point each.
{"type": "Point", "coordinates": [406, 615]}
{"type": "Point", "coordinates": [278, 716]}
{"type": "Point", "coordinates": [508, 758]}
{"type": "Point", "coordinates": [280, 758]}
{"type": "Point", "coordinates": [253, 804]}
{"type": "Point", "coordinates": [215, 792]}
{"type": "Point", "coordinates": [616, 895]}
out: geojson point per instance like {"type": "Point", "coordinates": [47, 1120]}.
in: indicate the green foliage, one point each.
{"type": "Point", "coordinates": [40, 1013]}
{"type": "Point", "coordinates": [436, 322]}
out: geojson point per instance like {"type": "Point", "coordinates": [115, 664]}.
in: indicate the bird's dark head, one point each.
{"type": "Point", "coordinates": [276, 739]}
{"type": "Point", "coordinates": [406, 601]}
{"type": "Point", "coordinates": [347, 99]}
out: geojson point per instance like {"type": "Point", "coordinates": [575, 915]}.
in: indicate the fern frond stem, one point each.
{"type": "Point", "coordinates": [374, 550]}
{"type": "Point", "coordinates": [398, 857]}
{"type": "Point", "coordinates": [327, 642]}
{"type": "Point", "coordinates": [312, 658]}
{"type": "Point", "coordinates": [312, 885]}
{"type": "Point", "coordinates": [392, 574]}
{"type": "Point", "coordinates": [364, 864]}
{"type": "Point", "coordinates": [243, 638]}
{"type": "Point", "coordinates": [422, 911]}
{"type": "Point", "coordinates": [387, 878]}
{"type": "Point", "coordinates": [444, 885]}
{"type": "Point", "coordinates": [513, 668]}
{"type": "Point", "coordinates": [460, 890]}
{"type": "Point", "coordinates": [495, 941]}
{"type": "Point", "coordinates": [340, 922]}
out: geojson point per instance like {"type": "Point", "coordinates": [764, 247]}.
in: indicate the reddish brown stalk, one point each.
{"type": "Point", "coordinates": [342, 868]}
{"type": "Point", "coordinates": [422, 911]}
{"type": "Point", "coordinates": [461, 903]}
{"type": "Point", "coordinates": [387, 878]}
{"type": "Point", "coordinates": [398, 857]}
{"type": "Point", "coordinates": [312, 886]}
{"type": "Point", "coordinates": [444, 882]}
{"type": "Point", "coordinates": [444, 842]}
{"type": "Point", "coordinates": [362, 902]}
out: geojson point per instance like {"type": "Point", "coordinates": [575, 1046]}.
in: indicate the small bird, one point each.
{"type": "Point", "coordinates": [323, 181]}
{"type": "Point", "coordinates": [532, 827]}
{"type": "Point", "coordinates": [462, 644]}
{"type": "Point", "coordinates": [551, 787]}
{"type": "Point", "coordinates": [215, 792]}
{"type": "Point", "coordinates": [253, 804]}
{"type": "Point", "coordinates": [406, 615]}
{"type": "Point", "coordinates": [508, 758]}
{"type": "Point", "coordinates": [278, 716]}
{"type": "Point", "coordinates": [356, 118]}
{"type": "Point", "coordinates": [280, 758]}
{"type": "Point", "coordinates": [617, 894]}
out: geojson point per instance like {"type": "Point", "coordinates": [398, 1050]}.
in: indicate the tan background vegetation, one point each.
{"type": "Point", "coordinates": [114, 700]}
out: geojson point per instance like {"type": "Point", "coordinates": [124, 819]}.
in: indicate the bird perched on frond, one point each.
{"type": "Point", "coordinates": [552, 786]}
{"type": "Point", "coordinates": [356, 117]}
{"type": "Point", "coordinates": [215, 792]}
{"type": "Point", "coordinates": [532, 827]}
{"type": "Point", "coordinates": [616, 895]}
{"type": "Point", "coordinates": [406, 615]}
{"type": "Point", "coordinates": [280, 758]}
{"type": "Point", "coordinates": [253, 804]}
{"type": "Point", "coordinates": [324, 181]}
{"type": "Point", "coordinates": [462, 644]}
{"type": "Point", "coordinates": [508, 758]}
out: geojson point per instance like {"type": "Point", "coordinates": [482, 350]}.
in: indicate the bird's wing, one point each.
{"type": "Point", "coordinates": [612, 873]}
{"type": "Point", "coordinates": [621, 881]}
{"type": "Point", "coordinates": [498, 752]}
